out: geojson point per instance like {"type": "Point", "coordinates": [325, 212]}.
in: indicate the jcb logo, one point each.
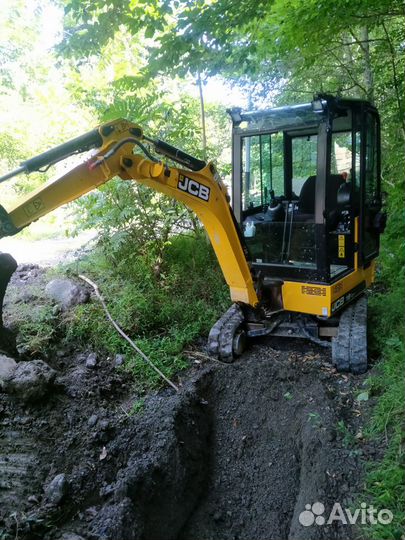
{"type": "Point", "coordinates": [338, 304]}
{"type": "Point", "coordinates": [194, 188]}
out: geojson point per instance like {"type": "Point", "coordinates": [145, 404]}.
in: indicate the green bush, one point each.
{"type": "Point", "coordinates": [385, 478]}
{"type": "Point", "coordinates": [162, 305]}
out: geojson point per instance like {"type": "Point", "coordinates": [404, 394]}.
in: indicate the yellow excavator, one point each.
{"type": "Point", "coordinates": [298, 246]}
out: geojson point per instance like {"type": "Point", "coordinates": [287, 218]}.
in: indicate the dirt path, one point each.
{"type": "Point", "coordinates": [236, 455]}
{"type": "Point", "coordinates": [46, 252]}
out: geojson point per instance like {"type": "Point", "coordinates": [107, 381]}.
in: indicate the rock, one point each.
{"type": "Point", "coordinates": [91, 360]}
{"type": "Point", "coordinates": [56, 489]}
{"type": "Point", "coordinates": [27, 267]}
{"type": "Point", "coordinates": [119, 359]}
{"type": "Point", "coordinates": [104, 424]}
{"type": "Point", "coordinates": [66, 293]}
{"type": "Point", "coordinates": [71, 536]}
{"type": "Point", "coordinates": [7, 367]}
{"type": "Point", "coordinates": [92, 421]}
{"type": "Point", "coordinates": [30, 380]}
{"type": "Point", "coordinates": [26, 297]}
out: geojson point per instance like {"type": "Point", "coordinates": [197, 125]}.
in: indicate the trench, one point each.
{"type": "Point", "coordinates": [236, 455]}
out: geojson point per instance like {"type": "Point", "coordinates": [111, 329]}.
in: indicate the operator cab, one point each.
{"type": "Point", "coordinates": [306, 188]}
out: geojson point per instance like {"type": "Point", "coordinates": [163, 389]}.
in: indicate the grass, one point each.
{"type": "Point", "coordinates": [162, 309]}
{"type": "Point", "coordinates": [35, 319]}
{"type": "Point", "coordinates": [385, 479]}
{"type": "Point", "coordinates": [348, 438]}
{"type": "Point", "coordinates": [162, 306]}
{"type": "Point", "coordinates": [137, 407]}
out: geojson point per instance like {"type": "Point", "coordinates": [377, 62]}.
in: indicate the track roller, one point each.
{"type": "Point", "coordinates": [227, 339]}
{"type": "Point", "coordinates": [349, 347]}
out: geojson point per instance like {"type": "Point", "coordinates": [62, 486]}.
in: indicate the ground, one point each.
{"type": "Point", "coordinates": [236, 454]}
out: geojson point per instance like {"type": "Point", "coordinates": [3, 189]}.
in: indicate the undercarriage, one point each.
{"type": "Point", "coordinates": [345, 334]}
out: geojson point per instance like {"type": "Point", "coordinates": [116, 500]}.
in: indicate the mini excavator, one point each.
{"type": "Point", "coordinates": [298, 246]}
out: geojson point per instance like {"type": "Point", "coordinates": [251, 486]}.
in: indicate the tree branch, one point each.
{"type": "Point", "coordinates": [355, 81]}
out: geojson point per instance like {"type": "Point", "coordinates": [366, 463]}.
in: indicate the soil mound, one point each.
{"type": "Point", "coordinates": [237, 454]}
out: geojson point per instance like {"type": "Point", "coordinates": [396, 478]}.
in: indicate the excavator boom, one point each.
{"type": "Point", "coordinates": [198, 186]}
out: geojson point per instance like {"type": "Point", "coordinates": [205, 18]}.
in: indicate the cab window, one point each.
{"type": "Point", "coordinates": [304, 156]}
{"type": "Point", "coordinates": [262, 169]}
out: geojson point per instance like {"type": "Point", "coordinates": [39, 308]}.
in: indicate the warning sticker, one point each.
{"type": "Point", "coordinates": [341, 246]}
{"type": "Point", "coordinates": [34, 206]}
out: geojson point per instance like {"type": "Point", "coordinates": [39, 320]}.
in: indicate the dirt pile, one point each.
{"type": "Point", "coordinates": [236, 455]}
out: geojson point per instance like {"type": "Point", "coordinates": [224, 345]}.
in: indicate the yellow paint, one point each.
{"type": "Point", "coordinates": [205, 194]}
{"type": "Point", "coordinates": [352, 280]}
{"type": "Point", "coordinates": [356, 242]}
{"type": "Point", "coordinates": [296, 297]}
{"type": "Point", "coordinates": [215, 213]}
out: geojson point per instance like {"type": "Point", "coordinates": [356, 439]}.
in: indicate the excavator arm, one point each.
{"type": "Point", "coordinates": [117, 146]}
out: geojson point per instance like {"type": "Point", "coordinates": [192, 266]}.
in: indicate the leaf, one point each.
{"type": "Point", "coordinates": [149, 32]}
{"type": "Point", "coordinates": [363, 396]}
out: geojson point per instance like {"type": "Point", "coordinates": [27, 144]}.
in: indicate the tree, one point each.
{"type": "Point", "coordinates": [283, 51]}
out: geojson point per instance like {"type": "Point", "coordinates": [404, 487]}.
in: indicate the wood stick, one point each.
{"type": "Point", "coordinates": [124, 335]}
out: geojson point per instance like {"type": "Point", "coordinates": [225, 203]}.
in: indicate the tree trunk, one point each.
{"type": "Point", "coordinates": [368, 70]}
{"type": "Point", "coordinates": [204, 135]}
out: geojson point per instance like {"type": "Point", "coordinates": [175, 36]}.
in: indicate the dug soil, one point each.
{"type": "Point", "coordinates": [236, 454]}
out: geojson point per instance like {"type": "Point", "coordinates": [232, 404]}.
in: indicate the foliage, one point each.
{"type": "Point", "coordinates": [126, 213]}
{"type": "Point", "coordinates": [385, 479]}
{"type": "Point", "coordinates": [37, 324]}
{"type": "Point", "coordinates": [134, 59]}
{"type": "Point", "coordinates": [161, 310]}
{"type": "Point", "coordinates": [37, 110]}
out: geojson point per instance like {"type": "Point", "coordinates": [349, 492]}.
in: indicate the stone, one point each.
{"type": "Point", "coordinates": [7, 367]}
{"type": "Point", "coordinates": [91, 360]}
{"type": "Point", "coordinates": [104, 424]}
{"type": "Point", "coordinates": [92, 421]}
{"type": "Point", "coordinates": [71, 536]}
{"type": "Point", "coordinates": [56, 489]}
{"type": "Point", "coordinates": [30, 380]}
{"type": "Point", "coordinates": [66, 293]}
{"type": "Point", "coordinates": [119, 359]}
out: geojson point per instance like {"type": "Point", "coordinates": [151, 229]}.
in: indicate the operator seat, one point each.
{"type": "Point", "coordinates": [306, 201]}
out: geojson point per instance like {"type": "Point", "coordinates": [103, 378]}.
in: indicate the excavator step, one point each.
{"type": "Point", "coordinates": [349, 347]}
